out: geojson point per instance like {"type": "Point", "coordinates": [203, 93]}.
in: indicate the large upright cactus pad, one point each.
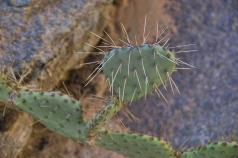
{"type": "Point", "coordinates": [136, 71]}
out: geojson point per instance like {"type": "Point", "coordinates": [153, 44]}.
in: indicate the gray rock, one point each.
{"type": "Point", "coordinates": [41, 38]}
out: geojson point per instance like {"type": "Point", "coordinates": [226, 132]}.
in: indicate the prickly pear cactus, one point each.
{"type": "Point", "coordinates": [135, 71]}
{"type": "Point", "coordinates": [132, 72]}
{"type": "Point", "coordinates": [214, 150]}
{"type": "Point", "coordinates": [134, 145]}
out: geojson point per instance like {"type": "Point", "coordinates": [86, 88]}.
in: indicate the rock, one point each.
{"type": "Point", "coordinates": [14, 132]}
{"type": "Point", "coordinates": [43, 40]}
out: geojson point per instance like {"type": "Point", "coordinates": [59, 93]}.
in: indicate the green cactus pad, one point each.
{"type": "Point", "coordinates": [214, 150]}
{"type": "Point", "coordinates": [98, 121]}
{"type": "Point", "coordinates": [133, 72]}
{"type": "Point", "coordinates": [5, 90]}
{"type": "Point", "coordinates": [57, 111]}
{"type": "Point", "coordinates": [134, 145]}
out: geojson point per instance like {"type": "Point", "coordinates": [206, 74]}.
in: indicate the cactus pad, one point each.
{"type": "Point", "coordinates": [134, 145]}
{"type": "Point", "coordinates": [133, 72]}
{"type": "Point", "coordinates": [57, 111]}
{"type": "Point", "coordinates": [214, 150]}
{"type": "Point", "coordinates": [98, 121]}
{"type": "Point", "coordinates": [4, 89]}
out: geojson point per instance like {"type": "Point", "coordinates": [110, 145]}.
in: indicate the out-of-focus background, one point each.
{"type": "Point", "coordinates": [44, 43]}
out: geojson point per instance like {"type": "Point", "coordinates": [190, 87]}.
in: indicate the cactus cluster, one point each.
{"type": "Point", "coordinates": [132, 72]}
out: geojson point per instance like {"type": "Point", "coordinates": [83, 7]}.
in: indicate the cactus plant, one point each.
{"type": "Point", "coordinates": [132, 72]}
{"type": "Point", "coordinates": [62, 114]}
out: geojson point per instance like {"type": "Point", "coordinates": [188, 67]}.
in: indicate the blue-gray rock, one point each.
{"type": "Point", "coordinates": [42, 38]}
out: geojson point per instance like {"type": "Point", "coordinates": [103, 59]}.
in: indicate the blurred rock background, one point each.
{"type": "Point", "coordinates": [207, 108]}
{"type": "Point", "coordinates": [44, 42]}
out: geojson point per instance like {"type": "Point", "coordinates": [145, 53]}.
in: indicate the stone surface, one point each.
{"type": "Point", "coordinates": [14, 132]}
{"type": "Point", "coordinates": [43, 40]}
